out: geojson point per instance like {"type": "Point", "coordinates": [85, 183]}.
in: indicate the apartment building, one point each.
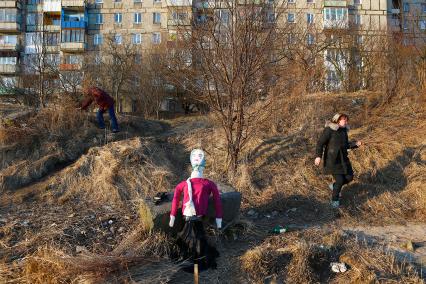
{"type": "Point", "coordinates": [65, 30]}
{"type": "Point", "coordinates": [10, 41]}
{"type": "Point", "coordinates": [403, 18]}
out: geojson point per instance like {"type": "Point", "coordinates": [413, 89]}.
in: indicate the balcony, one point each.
{"type": "Point", "coordinates": [34, 8]}
{"type": "Point", "coordinates": [52, 48]}
{"type": "Point", "coordinates": [10, 4]}
{"type": "Point", "coordinates": [52, 6]}
{"type": "Point", "coordinates": [52, 28]}
{"type": "Point", "coordinates": [9, 68]}
{"type": "Point", "coordinates": [179, 3]}
{"type": "Point", "coordinates": [74, 3]}
{"type": "Point", "coordinates": [336, 25]}
{"type": "Point", "coordinates": [10, 27]}
{"type": "Point", "coordinates": [74, 25]}
{"type": "Point", "coordinates": [9, 46]}
{"type": "Point", "coordinates": [175, 22]}
{"type": "Point", "coordinates": [335, 3]}
{"type": "Point", "coordinates": [69, 67]}
{"type": "Point", "coordinates": [73, 46]}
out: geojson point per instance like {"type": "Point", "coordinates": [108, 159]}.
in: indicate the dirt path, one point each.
{"type": "Point", "coordinates": [407, 242]}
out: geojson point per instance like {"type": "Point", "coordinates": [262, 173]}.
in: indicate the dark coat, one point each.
{"type": "Point", "coordinates": [334, 144]}
{"type": "Point", "coordinates": [102, 99]}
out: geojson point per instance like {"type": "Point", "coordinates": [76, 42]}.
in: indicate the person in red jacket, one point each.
{"type": "Point", "coordinates": [196, 192]}
{"type": "Point", "coordinates": [105, 102]}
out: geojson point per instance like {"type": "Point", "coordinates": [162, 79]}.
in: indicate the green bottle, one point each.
{"type": "Point", "coordinates": [279, 229]}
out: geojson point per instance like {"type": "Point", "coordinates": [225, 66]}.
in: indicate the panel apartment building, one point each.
{"type": "Point", "coordinates": [71, 28]}
{"type": "Point", "coordinates": [65, 30]}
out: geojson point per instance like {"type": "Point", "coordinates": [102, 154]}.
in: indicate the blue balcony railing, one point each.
{"type": "Point", "coordinates": [73, 21]}
{"type": "Point", "coordinates": [74, 24]}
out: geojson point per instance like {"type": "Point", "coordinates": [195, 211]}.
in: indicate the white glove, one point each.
{"type": "Point", "coordinates": [219, 223]}
{"type": "Point", "coordinates": [172, 220]}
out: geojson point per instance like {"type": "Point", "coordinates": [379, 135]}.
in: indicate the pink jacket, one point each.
{"type": "Point", "coordinates": [201, 190]}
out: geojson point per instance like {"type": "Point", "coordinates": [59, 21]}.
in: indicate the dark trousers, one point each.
{"type": "Point", "coordinates": [340, 181]}
{"type": "Point", "coordinates": [100, 117]}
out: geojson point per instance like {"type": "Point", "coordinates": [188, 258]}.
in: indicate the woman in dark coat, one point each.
{"type": "Point", "coordinates": [334, 145]}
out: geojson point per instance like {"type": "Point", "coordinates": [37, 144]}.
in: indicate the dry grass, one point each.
{"type": "Point", "coordinates": [118, 173]}
{"type": "Point", "coordinates": [54, 266]}
{"type": "Point", "coordinates": [277, 171]}
{"type": "Point", "coordinates": [305, 257]}
{"type": "Point", "coordinates": [144, 253]}
{"type": "Point", "coordinates": [55, 121]}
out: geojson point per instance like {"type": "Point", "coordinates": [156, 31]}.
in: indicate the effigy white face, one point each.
{"type": "Point", "coordinates": [197, 158]}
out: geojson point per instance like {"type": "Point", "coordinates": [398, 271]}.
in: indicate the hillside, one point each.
{"type": "Point", "coordinates": [72, 197]}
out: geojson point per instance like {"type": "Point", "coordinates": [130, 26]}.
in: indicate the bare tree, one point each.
{"type": "Point", "coordinates": [40, 75]}
{"type": "Point", "coordinates": [149, 86]}
{"type": "Point", "coordinates": [113, 66]}
{"type": "Point", "coordinates": [227, 61]}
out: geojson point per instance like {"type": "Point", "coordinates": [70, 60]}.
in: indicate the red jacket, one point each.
{"type": "Point", "coordinates": [102, 99]}
{"type": "Point", "coordinates": [201, 190]}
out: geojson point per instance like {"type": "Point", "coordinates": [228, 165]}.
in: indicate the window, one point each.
{"type": "Point", "coordinates": [98, 39]}
{"type": "Point", "coordinates": [156, 18]}
{"type": "Point", "coordinates": [32, 39]}
{"type": "Point", "coordinates": [359, 39]}
{"type": "Point", "coordinates": [118, 39]}
{"type": "Point", "coordinates": [310, 1]}
{"type": "Point", "coordinates": [291, 39]}
{"type": "Point", "coordinates": [290, 18]}
{"type": "Point", "coordinates": [335, 16]}
{"type": "Point", "coordinates": [98, 59]}
{"type": "Point", "coordinates": [223, 15]}
{"type": "Point", "coordinates": [9, 39]}
{"type": "Point", "coordinates": [357, 20]}
{"type": "Point", "coordinates": [138, 59]}
{"type": "Point", "coordinates": [73, 59]}
{"type": "Point", "coordinates": [137, 1]}
{"type": "Point", "coordinates": [9, 82]}
{"type": "Point", "coordinates": [31, 19]}
{"type": "Point", "coordinates": [157, 1]}
{"type": "Point", "coordinates": [424, 8]}
{"type": "Point", "coordinates": [8, 60]}
{"type": "Point", "coordinates": [9, 15]}
{"type": "Point", "coordinates": [73, 35]}
{"type": "Point", "coordinates": [117, 1]}
{"type": "Point", "coordinates": [156, 38]}
{"type": "Point", "coordinates": [405, 24]}
{"type": "Point", "coordinates": [117, 18]}
{"type": "Point", "coordinates": [179, 16]}
{"type": "Point", "coordinates": [136, 38]}
{"type": "Point", "coordinates": [99, 19]}
{"type": "Point", "coordinates": [138, 18]}
{"type": "Point", "coordinates": [422, 24]}
{"type": "Point", "coordinates": [357, 2]}
{"type": "Point", "coordinates": [310, 39]}
{"type": "Point", "coordinates": [271, 17]}
{"type": "Point", "coordinates": [310, 18]}
{"type": "Point", "coordinates": [51, 39]}
{"type": "Point", "coordinates": [53, 59]}
{"type": "Point", "coordinates": [98, 1]}
{"type": "Point", "coordinates": [291, 1]}
{"type": "Point", "coordinates": [406, 7]}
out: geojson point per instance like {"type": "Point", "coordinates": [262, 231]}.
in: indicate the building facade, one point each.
{"type": "Point", "coordinates": [65, 30]}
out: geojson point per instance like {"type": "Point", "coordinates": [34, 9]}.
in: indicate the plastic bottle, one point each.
{"type": "Point", "coordinates": [279, 229]}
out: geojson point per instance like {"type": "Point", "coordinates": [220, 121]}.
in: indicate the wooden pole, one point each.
{"type": "Point", "coordinates": [195, 273]}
